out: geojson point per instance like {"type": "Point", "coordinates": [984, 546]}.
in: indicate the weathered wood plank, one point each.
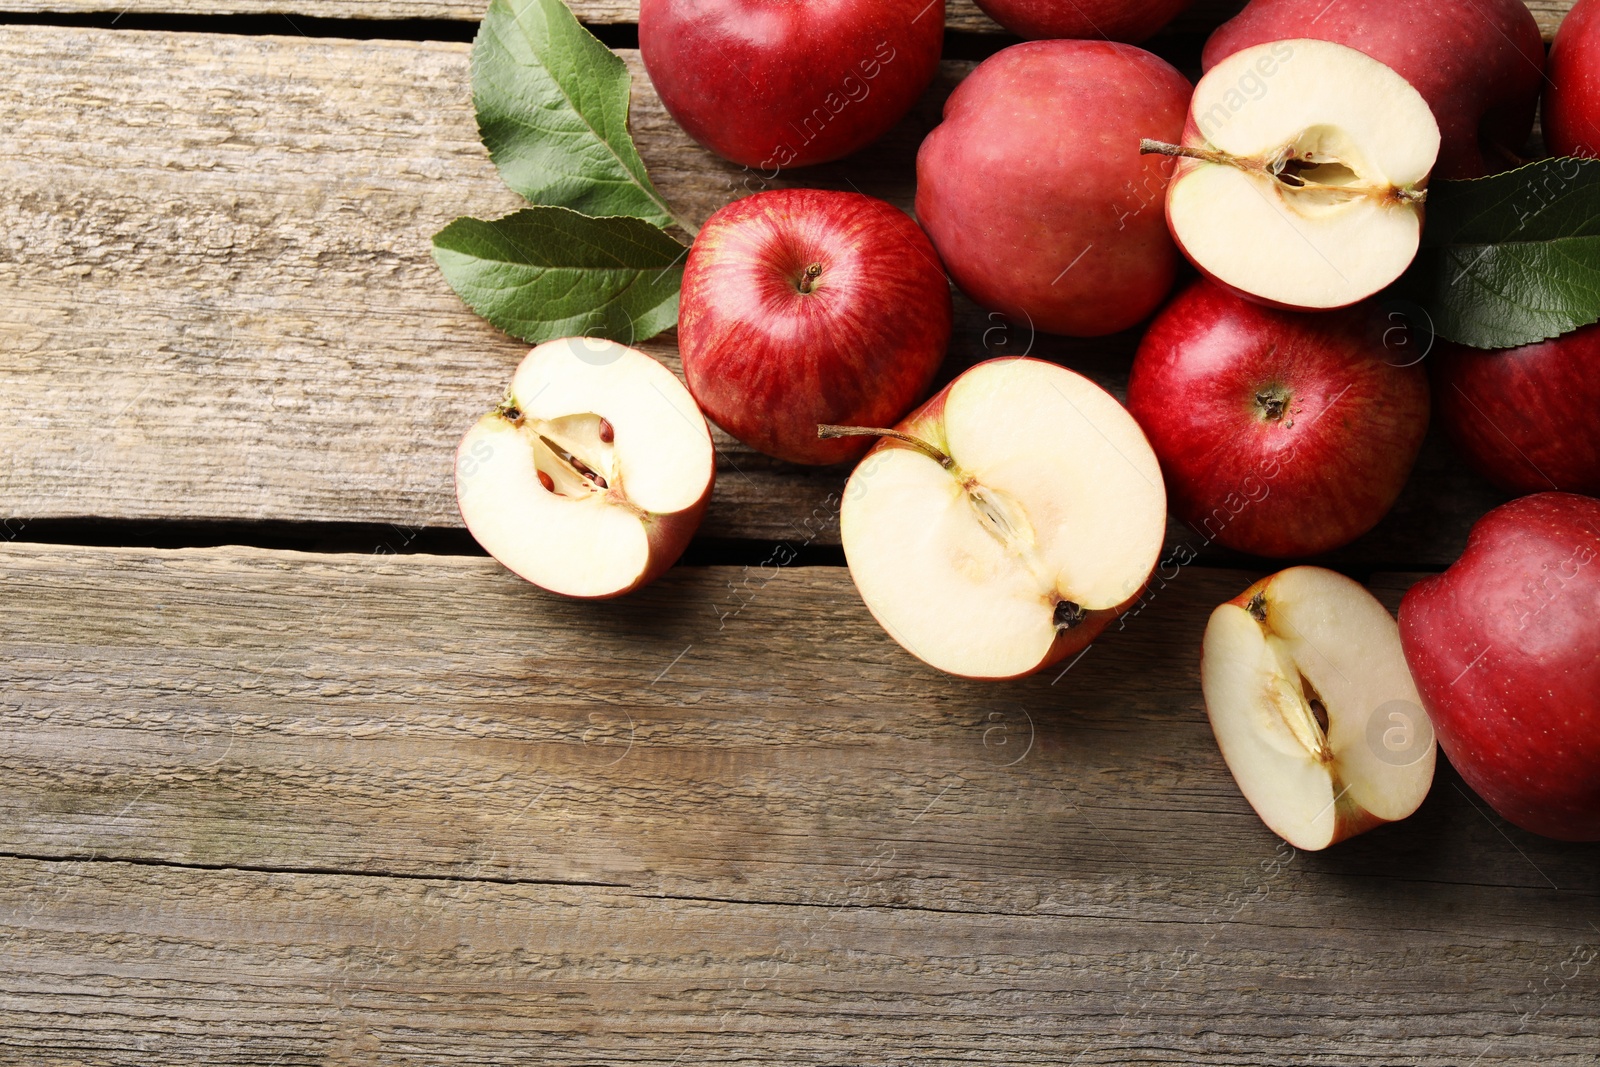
{"type": "Point", "coordinates": [227, 309]}
{"type": "Point", "coordinates": [778, 838]}
{"type": "Point", "coordinates": [961, 15]}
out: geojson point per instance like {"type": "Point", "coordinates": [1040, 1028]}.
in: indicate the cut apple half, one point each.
{"type": "Point", "coordinates": [1314, 708]}
{"type": "Point", "coordinates": [1004, 524]}
{"type": "Point", "coordinates": [1302, 174]}
{"type": "Point", "coordinates": [592, 474]}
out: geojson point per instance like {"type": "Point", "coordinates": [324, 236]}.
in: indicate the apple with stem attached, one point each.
{"type": "Point", "coordinates": [1571, 117]}
{"type": "Point", "coordinates": [1280, 433]}
{"type": "Point", "coordinates": [1004, 524]}
{"type": "Point", "coordinates": [1313, 708]}
{"type": "Point", "coordinates": [803, 306]}
{"type": "Point", "coordinates": [591, 476]}
{"type": "Point", "coordinates": [774, 84]}
{"type": "Point", "coordinates": [1034, 191]}
{"type": "Point", "coordinates": [1505, 648]}
{"type": "Point", "coordinates": [1307, 194]}
{"type": "Point", "coordinates": [1110, 20]}
{"type": "Point", "coordinates": [1525, 418]}
{"type": "Point", "coordinates": [1478, 63]}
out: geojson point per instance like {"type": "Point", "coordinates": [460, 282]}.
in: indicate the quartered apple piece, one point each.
{"type": "Point", "coordinates": [1302, 175]}
{"type": "Point", "coordinates": [1007, 522]}
{"type": "Point", "coordinates": [1314, 709]}
{"type": "Point", "coordinates": [593, 473]}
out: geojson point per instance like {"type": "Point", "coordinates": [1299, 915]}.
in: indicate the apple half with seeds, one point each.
{"type": "Point", "coordinates": [1314, 708]}
{"type": "Point", "coordinates": [1302, 174]}
{"type": "Point", "coordinates": [1005, 523]}
{"type": "Point", "coordinates": [592, 474]}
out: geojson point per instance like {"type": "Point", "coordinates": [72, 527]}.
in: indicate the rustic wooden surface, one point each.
{"type": "Point", "coordinates": [278, 808]}
{"type": "Point", "coordinates": [402, 809]}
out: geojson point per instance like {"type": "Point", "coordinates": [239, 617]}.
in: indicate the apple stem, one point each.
{"type": "Point", "coordinates": [827, 433]}
{"type": "Point", "coordinates": [1162, 148]}
{"type": "Point", "coordinates": [808, 280]}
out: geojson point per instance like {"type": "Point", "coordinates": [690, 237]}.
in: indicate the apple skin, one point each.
{"type": "Point", "coordinates": [1478, 63]}
{"type": "Point", "coordinates": [1209, 378]}
{"type": "Point", "coordinates": [1571, 118]}
{"type": "Point", "coordinates": [774, 84]}
{"type": "Point", "coordinates": [1112, 20]}
{"type": "Point", "coordinates": [927, 424]}
{"type": "Point", "coordinates": [1054, 222]}
{"type": "Point", "coordinates": [1505, 650]}
{"type": "Point", "coordinates": [768, 362]}
{"type": "Point", "coordinates": [1525, 418]}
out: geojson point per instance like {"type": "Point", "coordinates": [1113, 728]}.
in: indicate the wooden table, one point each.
{"type": "Point", "coordinates": [294, 775]}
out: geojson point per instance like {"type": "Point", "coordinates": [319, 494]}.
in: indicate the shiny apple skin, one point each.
{"type": "Point", "coordinates": [1112, 20]}
{"type": "Point", "coordinates": [769, 363]}
{"type": "Point", "coordinates": [1505, 650]}
{"type": "Point", "coordinates": [1572, 95]}
{"type": "Point", "coordinates": [1034, 191]}
{"type": "Point", "coordinates": [1527, 419]}
{"type": "Point", "coordinates": [1312, 480]}
{"type": "Point", "coordinates": [774, 84]}
{"type": "Point", "coordinates": [1478, 63]}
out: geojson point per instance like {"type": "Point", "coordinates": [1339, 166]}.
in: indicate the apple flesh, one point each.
{"type": "Point", "coordinates": [592, 474]}
{"type": "Point", "coordinates": [803, 306]}
{"type": "Point", "coordinates": [1110, 20]}
{"type": "Point", "coordinates": [774, 84]}
{"type": "Point", "coordinates": [1313, 708]}
{"type": "Point", "coordinates": [1478, 63]}
{"type": "Point", "coordinates": [1309, 193]}
{"type": "Point", "coordinates": [1007, 522]}
{"type": "Point", "coordinates": [1505, 648]}
{"type": "Point", "coordinates": [1034, 191]}
{"type": "Point", "coordinates": [1571, 117]}
{"type": "Point", "coordinates": [1280, 433]}
{"type": "Point", "coordinates": [1528, 418]}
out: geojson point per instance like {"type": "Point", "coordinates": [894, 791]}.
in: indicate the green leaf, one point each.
{"type": "Point", "coordinates": [547, 272]}
{"type": "Point", "coordinates": [1513, 258]}
{"type": "Point", "coordinates": [552, 108]}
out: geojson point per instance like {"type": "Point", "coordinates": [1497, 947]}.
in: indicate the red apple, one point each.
{"type": "Point", "coordinates": [1007, 522]}
{"type": "Point", "coordinates": [1528, 418]}
{"type": "Point", "coordinates": [1505, 650]}
{"type": "Point", "coordinates": [1034, 191]}
{"type": "Point", "coordinates": [774, 84]}
{"type": "Point", "coordinates": [1111, 20]}
{"type": "Point", "coordinates": [1572, 93]}
{"type": "Point", "coordinates": [1280, 433]}
{"type": "Point", "coordinates": [591, 476]}
{"type": "Point", "coordinates": [1478, 63]}
{"type": "Point", "coordinates": [802, 307]}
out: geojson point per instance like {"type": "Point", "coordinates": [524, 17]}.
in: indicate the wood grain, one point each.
{"type": "Point", "coordinates": [226, 308]}
{"type": "Point", "coordinates": [408, 809]}
{"type": "Point", "coordinates": [961, 15]}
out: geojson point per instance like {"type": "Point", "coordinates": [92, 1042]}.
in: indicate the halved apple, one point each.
{"type": "Point", "coordinates": [1314, 708]}
{"type": "Point", "coordinates": [592, 474]}
{"type": "Point", "coordinates": [1004, 524]}
{"type": "Point", "coordinates": [1302, 174]}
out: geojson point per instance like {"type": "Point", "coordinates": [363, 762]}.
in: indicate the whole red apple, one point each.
{"type": "Point", "coordinates": [1280, 433]}
{"type": "Point", "coordinates": [802, 307]}
{"type": "Point", "coordinates": [773, 84]}
{"type": "Point", "coordinates": [1478, 63]}
{"type": "Point", "coordinates": [1034, 191]}
{"type": "Point", "coordinates": [1111, 20]}
{"type": "Point", "coordinates": [1505, 650]}
{"type": "Point", "coordinates": [1572, 92]}
{"type": "Point", "coordinates": [1528, 418]}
